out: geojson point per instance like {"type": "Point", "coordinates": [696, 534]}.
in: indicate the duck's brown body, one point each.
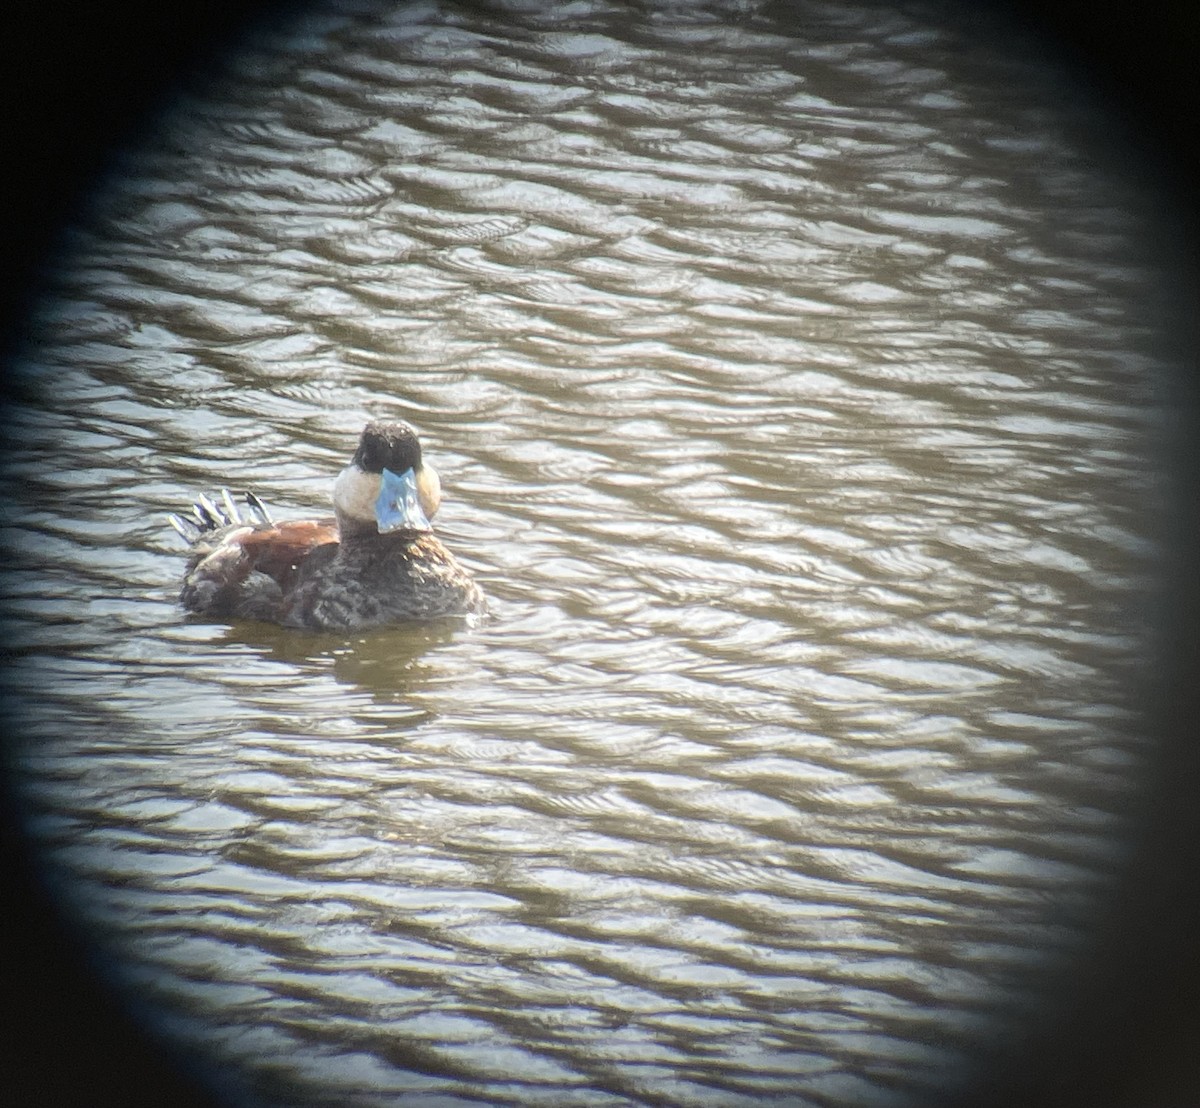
{"type": "Point", "coordinates": [339, 573]}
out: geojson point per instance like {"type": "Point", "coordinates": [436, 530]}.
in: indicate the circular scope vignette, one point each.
{"type": "Point", "coordinates": [810, 387]}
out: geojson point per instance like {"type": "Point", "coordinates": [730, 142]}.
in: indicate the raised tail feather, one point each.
{"type": "Point", "coordinates": [207, 516]}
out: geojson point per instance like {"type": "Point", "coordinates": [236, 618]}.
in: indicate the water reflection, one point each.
{"type": "Point", "coordinates": [794, 386]}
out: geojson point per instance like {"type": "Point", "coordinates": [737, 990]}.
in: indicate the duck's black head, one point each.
{"type": "Point", "coordinates": [390, 444]}
{"type": "Point", "coordinates": [387, 482]}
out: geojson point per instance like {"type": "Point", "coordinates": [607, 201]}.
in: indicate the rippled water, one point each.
{"type": "Point", "coordinates": [795, 384]}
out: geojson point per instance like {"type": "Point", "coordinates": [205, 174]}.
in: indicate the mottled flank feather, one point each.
{"type": "Point", "coordinates": [400, 577]}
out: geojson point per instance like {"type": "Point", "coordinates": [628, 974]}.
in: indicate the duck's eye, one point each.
{"type": "Point", "coordinates": [398, 505]}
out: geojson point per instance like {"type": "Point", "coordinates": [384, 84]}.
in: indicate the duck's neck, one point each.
{"type": "Point", "coordinates": [354, 532]}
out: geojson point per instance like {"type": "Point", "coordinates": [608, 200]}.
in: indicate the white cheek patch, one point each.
{"type": "Point", "coordinates": [429, 490]}
{"type": "Point", "coordinates": [398, 505]}
{"type": "Point", "coordinates": [355, 493]}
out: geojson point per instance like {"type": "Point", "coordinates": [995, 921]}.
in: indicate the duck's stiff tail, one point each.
{"type": "Point", "coordinates": [207, 517]}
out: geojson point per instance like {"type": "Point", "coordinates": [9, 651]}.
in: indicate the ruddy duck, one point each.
{"type": "Point", "coordinates": [375, 562]}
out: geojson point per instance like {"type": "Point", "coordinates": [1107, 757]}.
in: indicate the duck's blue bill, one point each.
{"type": "Point", "coordinates": [399, 507]}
